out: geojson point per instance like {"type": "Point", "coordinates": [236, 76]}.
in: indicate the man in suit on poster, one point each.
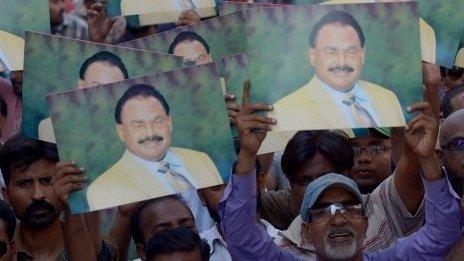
{"type": "Point", "coordinates": [335, 97]}
{"type": "Point", "coordinates": [149, 167]}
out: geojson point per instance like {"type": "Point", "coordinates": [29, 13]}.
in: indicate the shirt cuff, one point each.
{"type": "Point", "coordinates": [436, 191]}
{"type": "Point", "coordinates": [247, 182]}
{"type": "Point", "coordinates": [244, 186]}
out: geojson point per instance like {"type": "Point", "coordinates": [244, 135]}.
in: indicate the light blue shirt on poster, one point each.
{"type": "Point", "coordinates": [360, 96]}
{"type": "Point", "coordinates": [202, 219]}
{"type": "Point", "coordinates": [175, 164]}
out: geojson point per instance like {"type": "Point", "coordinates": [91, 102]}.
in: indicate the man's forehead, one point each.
{"type": "Point", "coordinates": [371, 139]}
{"type": "Point", "coordinates": [159, 211]}
{"type": "Point", "coordinates": [332, 30]}
{"type": "Point", "coordinates": [452, 127]}
{"type": "Point", "coordinates": [140, 103]}
{"type": "Point", "coordinates": [39, 168]}
{"type": "Point", "coordinates": [102, 65]}
{"type": "Point", "coordinates": [191, 44]}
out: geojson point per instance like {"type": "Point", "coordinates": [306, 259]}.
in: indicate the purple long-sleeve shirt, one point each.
{"type": "Point", "coordinates": [246, 240]}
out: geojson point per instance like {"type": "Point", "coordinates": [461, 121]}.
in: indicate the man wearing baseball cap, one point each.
{"type": "Point", "coordinates": [333, 211]}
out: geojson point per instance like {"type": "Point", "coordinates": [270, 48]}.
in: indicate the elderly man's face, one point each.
{"type": "Point", "coordinates": [339, 236]}
{"type": "Point", "coordinates": [338, 57]}
{"type": "Point", "coordinates": [192, 51]}
{"type": "Point", "coordinates": [145, 128]}
{"type": "Point", "coordinates": [99, 73]}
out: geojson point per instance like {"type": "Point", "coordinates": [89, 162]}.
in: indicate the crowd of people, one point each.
{"type": "Point", "coordinates": [363, 194]}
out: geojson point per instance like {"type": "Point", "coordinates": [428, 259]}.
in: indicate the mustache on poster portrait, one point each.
{"type": "Point", "coordinates": [155, 137]}
{"type": "Point", "coordinates": [344, 68]}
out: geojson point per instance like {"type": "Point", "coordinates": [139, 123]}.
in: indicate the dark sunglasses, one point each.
{"type": "Point", "coordinates": [3, 248]}
{"type": "Point", "coordinates": [456, 144]}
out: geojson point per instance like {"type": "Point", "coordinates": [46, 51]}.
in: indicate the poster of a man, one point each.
{"type": "Point", "coordinates": [191, 47]}
{"type": "Point", "coordinates": [101, 68]}
{"type": "Point", "coordinates": [149, 167]}
{"type": "Point", "coordinates": [335, 97]}
{"type": "Point", "coordinates": [67, 69]}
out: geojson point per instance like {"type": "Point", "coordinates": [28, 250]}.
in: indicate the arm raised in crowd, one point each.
{"type": "Point", "coordinates": [246, 239]}
{"type": "Point", "coordinates": [68, 178]}
{"type": "Point", "coordinates": [407, 176]}
{"type": "Point", "coordinates": [99, 23]}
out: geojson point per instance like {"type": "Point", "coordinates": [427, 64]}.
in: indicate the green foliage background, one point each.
{"type": "Point", "coordinates": [278, 62]}
{"type": "Point", "coordinates": [24, 15]}
{"type": "Point", "coordinates": [445, 17]}
{"type": "Point", "coordinates": [225, 36]}
{"type": "Point", "coordinates": [85, 126]}
{"type": "Point", "coordinates": [52, 64]}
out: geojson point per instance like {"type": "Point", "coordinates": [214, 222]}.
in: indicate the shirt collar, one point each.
{"type": "Point", "coordinates": [270, 229]}
{"type": "Point", "coordinates": [174, 162]}
{"type": "Point", "coordinates": [340, 95]}
{"type": "Point", "coordinates": [213, 237]}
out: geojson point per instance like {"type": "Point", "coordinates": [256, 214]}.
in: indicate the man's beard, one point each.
{"type": "Point", "coordinates": [345, 251]}
{"type": "Point", "coordinates": [47, 216]}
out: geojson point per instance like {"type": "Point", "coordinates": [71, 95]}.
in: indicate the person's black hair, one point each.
{"type": "Point", "coordinates": [143, 90]}
{"type": "Point", "coordinates": [106, 57]}
{"type": "Point", "coordinates": [181, 239]}
{"type": "Point", "coordinates": [3, 107]}
{"type": "Point", "coordinates": [7, 215]}
{"type": "Point", "coordinates": [188, 36]}
{"type": "Point", "coordinates": [446, 106]}
{"type": "Point", "coordinates": [340, 17]}
{"type": "Point", "coordinates": [455, 73]}
{"type": "Point", "coordinates": [136, 229]}
{"type": "Point", "coordinates": [305, 144]}
{"type": "Point", "coordinates": [18, 153]}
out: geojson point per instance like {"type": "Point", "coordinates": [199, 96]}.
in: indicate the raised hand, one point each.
{"type": "Point", "coordinates": [422, 131]}
{"type": "Point", "coordinates": [188, 17]}
{"type": "Point", "coordinates": [99, 23]}
{"type": "Point", "coordinates": [232, 107]}
{"type": "Point", "coordinates": [67, 178]}
{"type": "Point", "coordinates": [252, 129]}
{"type": "Point", "coordinates": [421, 137]}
